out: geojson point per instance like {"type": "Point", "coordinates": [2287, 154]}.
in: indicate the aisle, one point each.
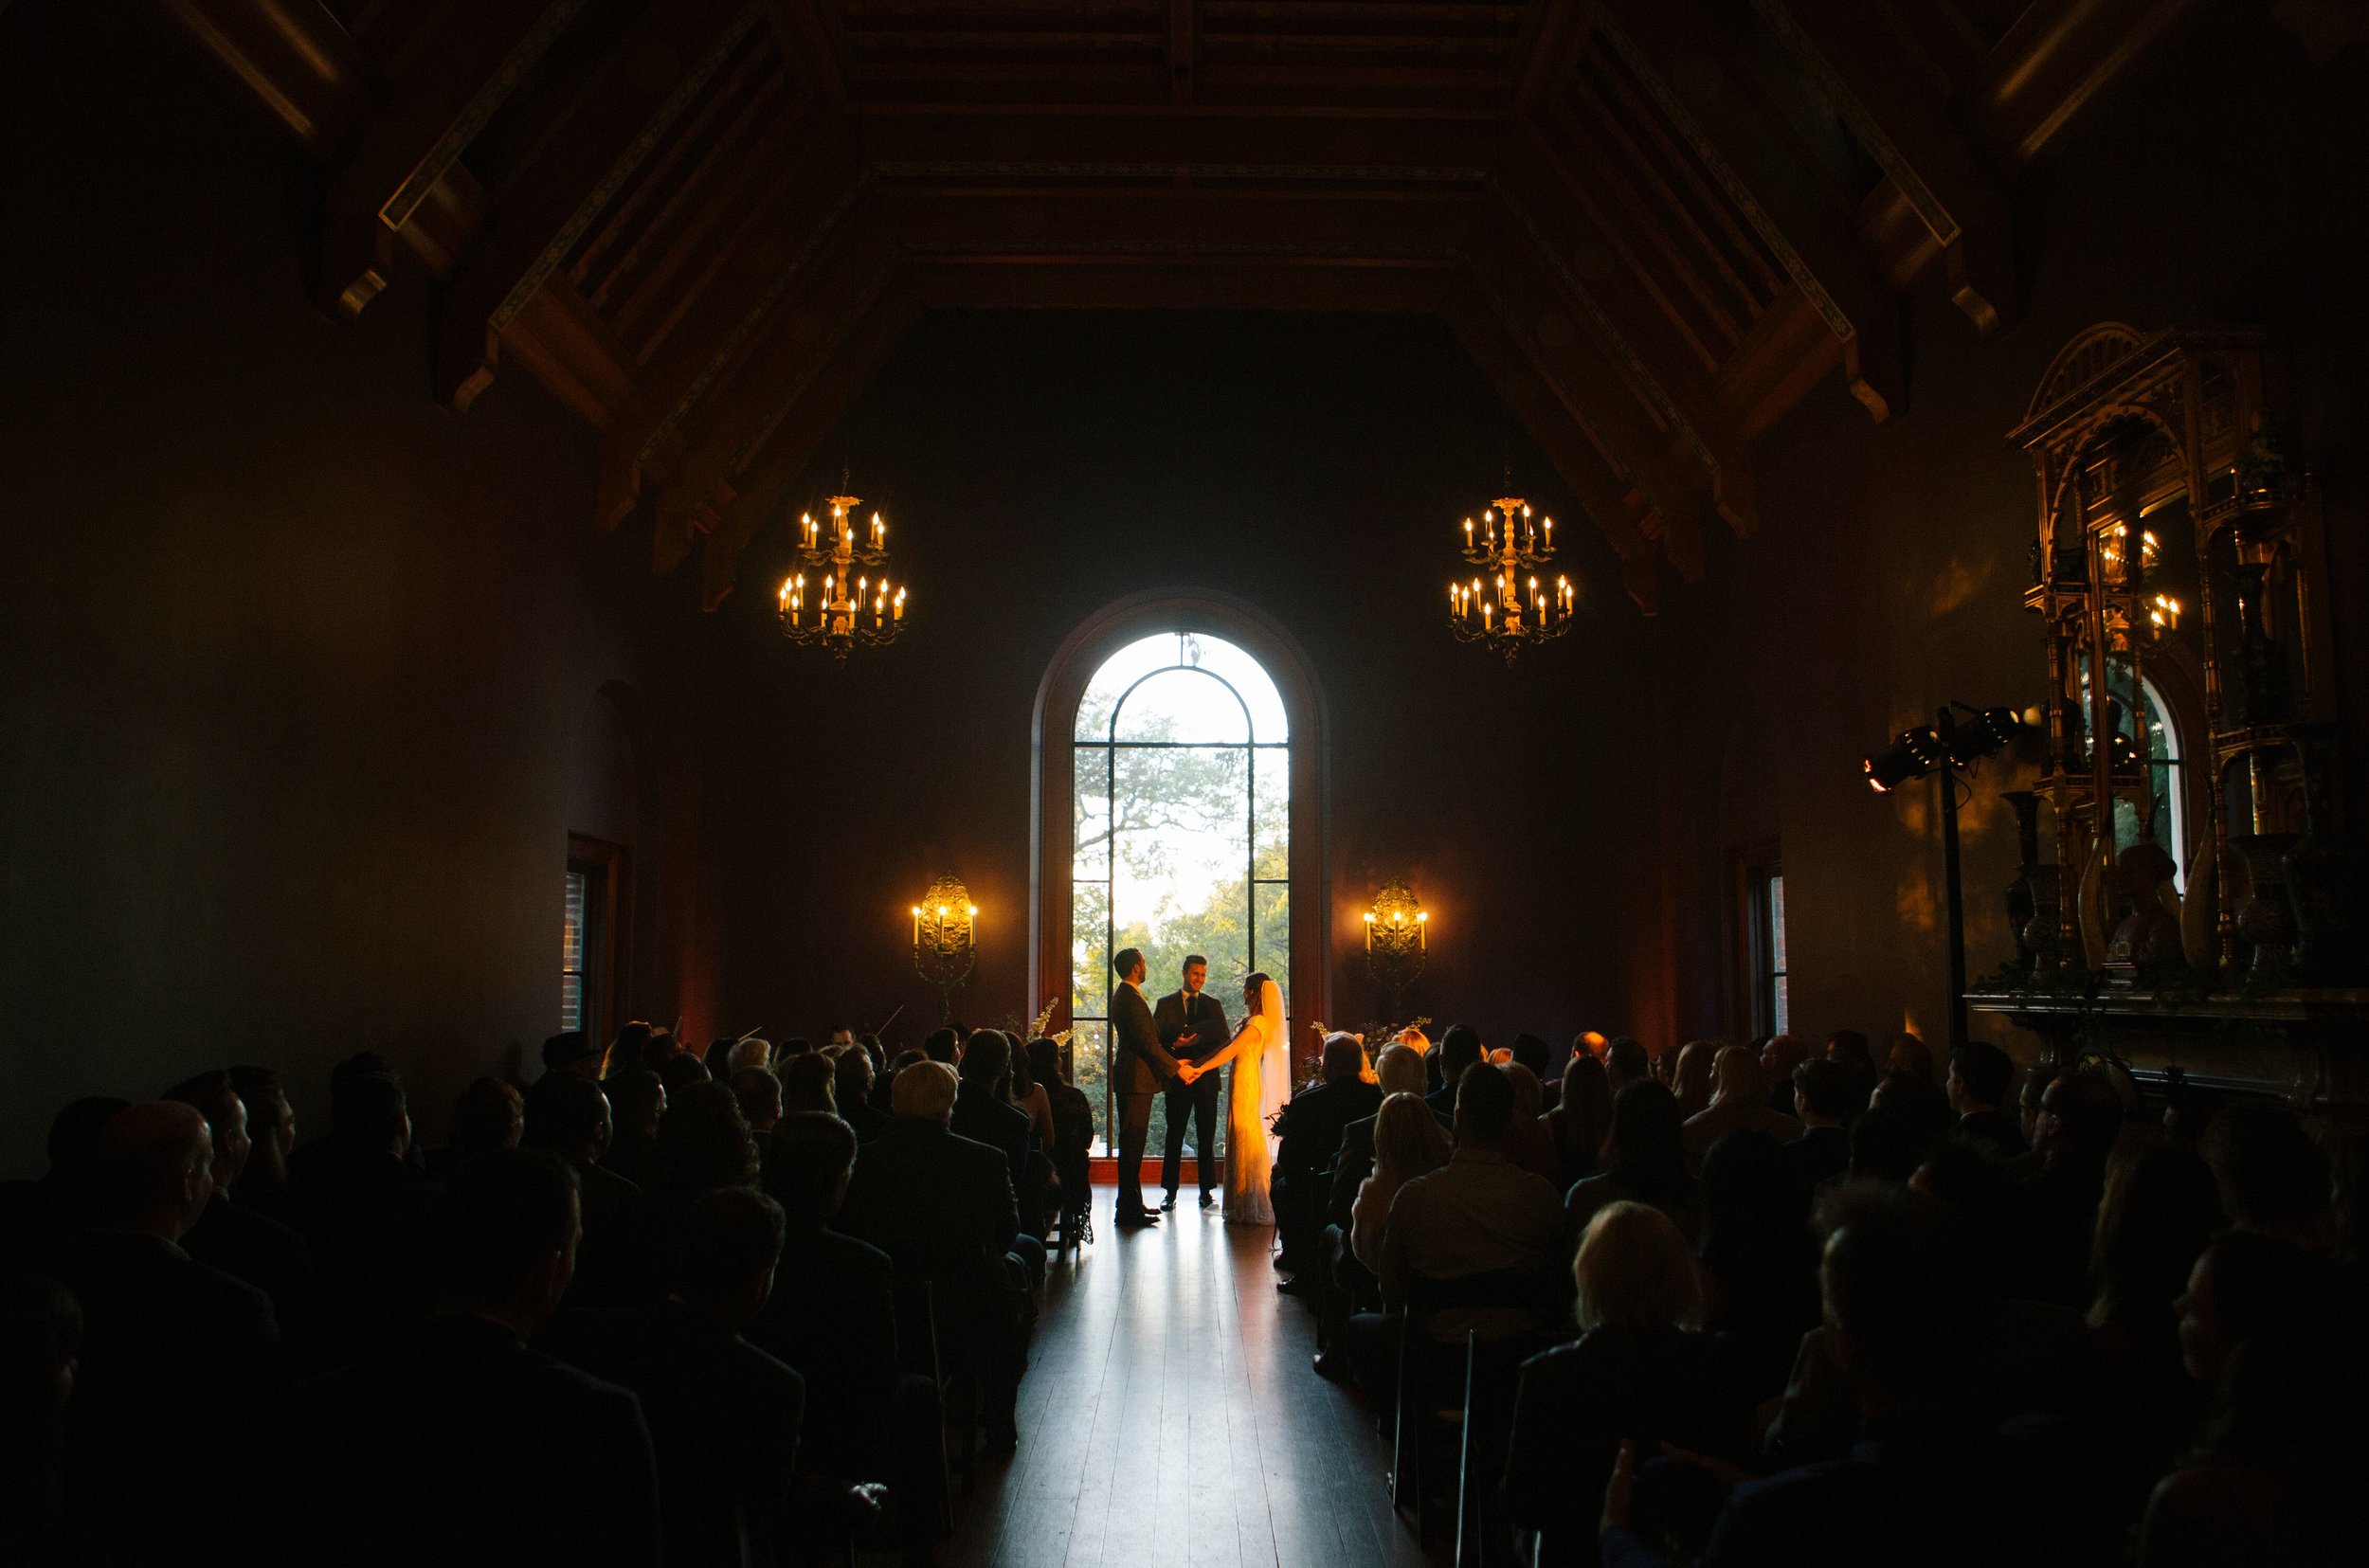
{"type": "Point", "coordinates": [1171, 1417]}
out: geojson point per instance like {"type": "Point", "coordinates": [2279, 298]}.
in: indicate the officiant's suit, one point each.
{"type": "Point", "coordinates": [1140, 1065]}
{"type": "Point", "coordinates": [1196, 1101]}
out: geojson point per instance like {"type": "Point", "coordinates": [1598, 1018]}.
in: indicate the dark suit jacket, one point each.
{"type": "Point", "coordinates": [1350, 1167]}
{"type": "Point", "coordinates": [865, 1120]}
{"type": "Point", "coordinates": [365, 1214]}
{"type": "Point", "coordinates": [833, 1318]}
{"type": "Point", "coordinates": [1819, 1153]}
{"type": "Point", "coordinates": [1310, 1128]}
{"type": "Point", "coordinates": [984, 1119]}
{"type": "Point", "coordinates": [263, 1252]}
{"type": "Point", "coordinates": [941, 1206]}
{"type": "Point", "coordinates": [467, 1447]}
{"type": "Point", "coordinates": [1140, 1063]}
{"type": "Point", "coordinates": [1994, 1130]}
{"type": "Point", "coordinates": [164, 1434]}
{"type": "Point", "coordinates": [1208, 1026]}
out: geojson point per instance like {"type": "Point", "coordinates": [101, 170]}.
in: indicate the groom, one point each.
{"type": "Point", "coordinates": [1138, 1067]}
{"type": "Point", "coordinates": [1192, 1026]}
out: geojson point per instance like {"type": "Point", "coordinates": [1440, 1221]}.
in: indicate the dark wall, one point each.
{"type": "Point", "coordinates": [2221, 184]}
{"type": "Point", "coordinates": [300, 671]}
{"type": "Point", "coordinates": [1035, 468]}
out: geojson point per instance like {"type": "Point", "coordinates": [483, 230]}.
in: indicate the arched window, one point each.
{"type": "Point", "coordinates": [1179, 811]}
{"type": "Point", "coordinates": [2154, 746]}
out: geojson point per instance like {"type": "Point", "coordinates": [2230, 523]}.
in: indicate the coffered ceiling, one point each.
{"type": "Point", "coordinates": [702, 223]}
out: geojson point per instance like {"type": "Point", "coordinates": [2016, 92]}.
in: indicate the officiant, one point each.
{"type": "Point", "coordinates": [1192, 1027]}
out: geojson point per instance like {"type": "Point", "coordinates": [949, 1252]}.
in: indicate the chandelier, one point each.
{"type": "Point", "coordinates": [1509, 608]}
{"type": "Point", "coordinates": [835, 613]}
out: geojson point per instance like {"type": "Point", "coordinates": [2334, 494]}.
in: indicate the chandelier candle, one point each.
{"type": "Point", "coordinates": [1515, 610]}
{"type": "Point", "coordinates": [870, 613]}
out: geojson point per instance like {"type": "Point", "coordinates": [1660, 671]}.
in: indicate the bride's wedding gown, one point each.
{"type": "Point", "coordinates": [1261, 1071]}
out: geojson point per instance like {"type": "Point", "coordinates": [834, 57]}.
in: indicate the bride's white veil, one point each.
{"type": "Point", "coordinates": [1274, 1068]}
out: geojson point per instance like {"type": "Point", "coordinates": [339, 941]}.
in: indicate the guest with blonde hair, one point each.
{"type": "Point", "coordinates": [1527, 1144]}
{"type": "Point", "coordinates": [1739, 1103]}
{"type": "Point", "coordinates": [1691, 1080]}
{"type": "Point", "coordinates": [1581, 1117]}
{"type": "Point", "coordinates": [1408, 1142]}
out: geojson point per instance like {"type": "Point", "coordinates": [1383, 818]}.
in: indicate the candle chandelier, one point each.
{"type": "Point", "coordinates": [834, 612]}
{"type": "Point", "coordinates": [1510, 606]}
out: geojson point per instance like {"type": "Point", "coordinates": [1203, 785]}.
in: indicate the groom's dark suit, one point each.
{"type": "Point", "coordinates": [1196, 1101]}
{"type": "Point", "coordinates": [1139, 1064]}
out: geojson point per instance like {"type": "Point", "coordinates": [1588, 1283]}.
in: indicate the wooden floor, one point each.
{"type": "Point", "coordinates": [1171, 1417]}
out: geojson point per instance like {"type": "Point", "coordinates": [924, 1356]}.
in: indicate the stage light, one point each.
{"type": "Point", "coordinates": [1983, 731]}
{"type": "Point", "coordinates": [1912, 755]}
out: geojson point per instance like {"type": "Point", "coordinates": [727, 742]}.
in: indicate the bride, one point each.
{"type": "Point", "coordinates": [1261, 1080]}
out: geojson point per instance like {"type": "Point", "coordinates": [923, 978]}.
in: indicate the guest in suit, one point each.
{"type": "Point", "coordinates": [1533, 1053]}
{"type": "Point", "coordinates": [1459, 1047]}
{"type": "Point", "coordinates": [1980, 1078]}
{"type": "Point", "coordinates": [1072, 1135]}
{"type": "Point", "coordinates": [459, 1442]}
{"type": "Point", "coordinates": [1308, 1136]}
{"type": "Point", "coordinates": [851, 1094]}
{"type": "Point", "coordinates": [1821, 1095]}
{"type": "Point", "coordinates": [1739, 1103]}
{"type": "Point", "coordinates": [984, 1114]}
{"type": "Point", "coordinates": [365, 1210]}
{"type": "Point", "coordinates": [1644, 1161]}
{"type": "Point", "coordinates": [232, 1237]}
{"type": "Point", "coordinates": [1780, 1055]}
{"type": "Point", "coordinates": [1139, 1064]}
{"type": "Point", "coordinates": [637, 1103]}
{"type": "Point", "coordinates": [570, 1051]}
{"type": "Point", "coordinates": [568, 1116]}
{"type": "Point", "coordinates": [1847, 1049]}
{"type": "Point", "coordinates": [810, 1082]}
{"type": "Point", "coordinates": [2080, 1120]}
{"type": "Point", "coordinates": [1191, 1026]}
{"type": "Point", "coordinates": [41, 1341]}
{"type": "Point", "coordinates": [38, 1218]}
{"type": "Point", "coordinates": [488, 1115]}
{"type": "Point", "coordinates": [262, 1184]}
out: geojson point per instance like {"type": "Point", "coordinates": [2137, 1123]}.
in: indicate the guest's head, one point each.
{"type": "Point", "coordinates": [151, 1170]}
{"type": "Point", "coordinates": [2245, 1288]}
{"type": "Point", "coordinates": [1625, 1063]}
{"type": "Point", "coordinates": [1484, 1108]}
{"type": "Point", "coordinates": [851, 1079]}
{"type": "Point", "coordinates": [507, 1228]}
{"type": "Point", "coordinates": [569, 1051]}
{"type": "Point", "coordinates": [810, 1083]}
{"type": "Point", "coordinates": [749, 1052]}
{"type": "Point", "coordinates": [2081, 1116]}
{"type": "Point", "coordinates": [1981, 1202]}
{"type": "Point", "coordinates": [1737, 1077]}
{"type": "Point", "coordinates": [1885, 1144]}
{"type": "Point", "coordinates": [489, 1115]}
{"type": "Point", "coordinates": [683, 1074]}
{"type": "Point", "coordinates": [568, 1116]}
{"type": "Point", "coordinates": [1459, 1047]}
{"type": "Point", "coordinates": [212, 1095]}
{"type": "Point", "coordinates": [368, 1110]}
{"type": "Point", "coordinates": [760, 1096]}
{"type": "Point", "coordinates": [1780, 1054]}
{"type": "Point", "coordinates": [74, 1135]}
{"type": "Point", "coordinates": [2273, 1178]}
{"type": "Point", "coordinates": [1910, 1058]}
{"type": "Point", "coordinates": [703, 1142]}
{"type": "Point", "coordinates": [1586, 1101]}
{"type": "Point", "coordinates": [942, 1045]}
{"type": "Point", "coordinates": [1645, 1149]}
{"type": "Point", "coordinates": [1850, 1047]}
{"type": "Point", "coordinates": [1343, 1058]}
{"type": "Point", "coordinates": [1530, 1051]}
{"type": "Point", "coordinates": [270, 1120]}
{"type": "Point", "coordinates": [813, 1155]}
{"type": "Point", "coordinates": [1128, 963]}
{"type": "Point", "coordinates": [2160, 1210]}
{"type": "Point", "coordinates": [924, 1092]}
{"type": "Point", "coordinates": [1408, 1140]}
{"type": "Point", "coordinates": [1822, 1092]}
{"type": "Point", "coordinates": [725, 1252]}
{"type": "Point", "coordinates": [986, 1061]}
{"type": "Point", "coordinates": [629, 1050]}
{"type": "Point", "coordinates": [1980, 1077]}
{"type": "Point", "coordinates": [1399, 1069]}
{"type": "Point", "coordinates": [637, 1101]}
{"type": "Point", "coordinates": [873, 1049]}
{"type": "Point", "coordinates": [1900, 1302]}
{"type": "Point", "coordinates": [1530, 1096]}
{"type": "Point", "coordinates": [1632, 1270]}
{"type": "Point", "coordinates": [1692, 1082]}
{"type": "Point", "coordinates": [792, 1046]}
{"type": "Point", "coordinates": [1756, 1204]}
{"type": "Point", "coordinates": [1044, 1062]}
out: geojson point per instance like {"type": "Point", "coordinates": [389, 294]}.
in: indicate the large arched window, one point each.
{"type": "Point", "coordinates": [1179, 776]}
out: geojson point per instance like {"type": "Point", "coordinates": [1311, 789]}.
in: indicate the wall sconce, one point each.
{"type": "Point", "coordinates": [945, 938]}
{"type": "Point", "coordinates": [1397, 937]}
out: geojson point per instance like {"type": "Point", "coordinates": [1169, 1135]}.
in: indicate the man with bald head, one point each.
{"type": "Point", "coordinates": [233, 1238]}
{"type": "Point", "coordinates": [164, 1431]}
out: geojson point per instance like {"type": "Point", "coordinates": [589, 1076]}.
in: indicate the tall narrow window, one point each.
{"type": "Point", "coordinates": [591, 938]}
{"type": "Point", "coordinates": [1181, 809]}
{"type": "Point", "coordinates": [1760, 880]}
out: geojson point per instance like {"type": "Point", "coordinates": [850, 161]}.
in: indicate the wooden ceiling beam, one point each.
{"type": "Point", "coordinates": [452, 87]}
{"type": "Point", "coordinates": [1175, 283]}
{"type": "Point", "coordinates": [547, 207]}
{"type": "Point", "coordinates": [1168, 148]}
{"type": "Point", "coordinates": [810, 40]}
{"type": "Point", "coordinates": [292, 57]}
{"type": "Point", "coordinates": [1669, 40]}
{"type": "Point", "coordinates": [1420, 227]}
{"type": "Point", "coordinates": [2057, 57]}
{"type": "Point", "coordinates": [1862, 73]}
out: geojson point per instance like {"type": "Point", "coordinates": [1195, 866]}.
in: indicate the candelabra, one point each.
{"type": "Point", "coordinates": [839, 616]}
{"type": "Point", "coordinates": [1397, 930]}
{"type": "Point", "coordinates": [945, 938]}
{"type": "Point", "coordinates": [1510, 608]}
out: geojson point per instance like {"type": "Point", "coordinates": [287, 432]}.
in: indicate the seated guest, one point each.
{"type": "Point", "coordinates": [724, 1415]}
{"type": "Point", "coordinates": [1847, 1049]}
{"type": "Point", "coordinates": [487, 1116]}
{"type": "Point", "coordinates": [2159, 1211]}
{"type": "Point", "coordinates": [1071, 1149]}
{"type": "Point", "coordinates": [459, 1442]}
{"type": "Point", "coordinates": [363, 1209]}
{"type": "Point", "coordinates": [1479, 1214]}
{"type": "Point", "coordinates": [1528, 1141]}
{"type": "Point", "coordinates": [1581, 1117]}
{"type": "Point", "coordinates": [810, 1083]}
{"type": "Point", "coordinates": [683, 1074]}
{"type": "Point", "coordinates": [1691, 1080]}
{"type": "Point", "coordinates": [1639, 1371]}
{"type": "Point", "coordinates": [1887, 1144]}
{"type": "Point", "coordinates": [703, 1143]}
{"type": "Point", "coordinates": [747, 1052]}
{"type": "Point", "coordinates": [1404, 1140]}
{"type": "Point", "coordinates": [942, 1207]}
{"type": "Point", "coordinates": [570, 1051]}
{"type": "Point", "coordinates": [851, 1094]}
{"type": "Point", "coordinates": [41, 1344]}
{"type": "Point", "coordinates": [231, 1238]}
{"type": "Point", "coordinates": [2081, 1118]}
{"type": "Point", "coordinates": [1778, 1058]}
{"type": "Point", "coordinates": [1910, 1063]}
{"type": "Point", "coordinates": [2273, 1178]}
{"type": "Point", "coordinates": [629, 1050]}
{"type": "Point", "coordinates": [884, 1087]}
{"type": "Point", "coordinates": [1028, 1094]}
{"type": "Point", "coordinates": [1739, 1103]}
{"type": "Point", "coordinates": [570, 1117]}
{"type": "Point", "coordinates": [1459, 1047]}
{"type": "Point", "coordinates": [1530, 1053]}
{"type": "Point", "coordinates": [2272, 1332]}
{"type": "Point", "coordinates": [1398, 1069]}
{"type": "Point", "coordinates": [984, 1114]}
{"type": "Point", "coordinates": [164, 1456]}
{"type": "Point", "coordinates": [637, 1103]}
{"type": "Point", "coordinates": [1822, 1095]}
{"type": "Point", "coordinates": [942, 1045]}
{"type": "Point", "coordinates": [263, 1183]}
{"type": "Point", "coordinates": [1625, 1063]}
{"type": "Point", "coordinates": [1307, 1137]}
{"type": "Point", "coordinates": [1980, 1077]}
{"type": "Point", "coordinates": [762, 1099]}
{"type": "Point", "coordinates": [1644, 1161]}
{"type": "Point", "coordinates": [1760, 1260]}
{"type": "Point", "coordinates": [38, 1218]}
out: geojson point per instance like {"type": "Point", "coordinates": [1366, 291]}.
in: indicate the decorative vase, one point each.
{"type": "Point", "coordinates": [2262, 919]}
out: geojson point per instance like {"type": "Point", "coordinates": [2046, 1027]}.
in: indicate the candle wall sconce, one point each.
{"type": "Point", "coordinates": [945, 938]}
{"type": "Point", "coordinates": [1397, 938]}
